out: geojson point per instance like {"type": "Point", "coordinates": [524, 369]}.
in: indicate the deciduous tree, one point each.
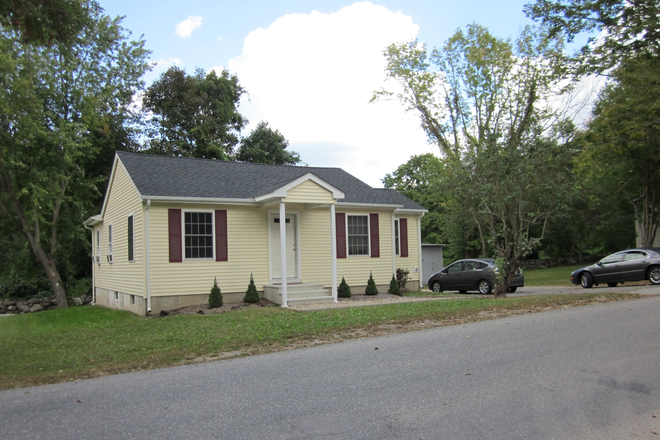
{"type": "Point", "coordinates": [52, 98]}
{"type": "Point", "coordinates": [194, 115]}
{"type": "Point", "coordinates": [266, 145]}
{"type": "Point", "coordinates": [487, 104]}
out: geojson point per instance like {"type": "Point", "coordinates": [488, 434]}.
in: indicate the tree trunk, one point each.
{"type": "Point", "coordinates": [52, 273]}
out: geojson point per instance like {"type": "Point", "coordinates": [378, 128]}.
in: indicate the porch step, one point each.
{"type": "Point", "coordinates": [299, 293]}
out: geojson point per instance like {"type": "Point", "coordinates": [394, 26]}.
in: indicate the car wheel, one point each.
{"type": "Point", "coordinates": [654, 275]}
{"type": "Point", "coordinates": [462, 291]}
{"type": "Point", "coordinates": [484, 287]}
{"type": "Point", "coordinates": [587, 280]}
{"type": "Point", "coordinates": [436, 286]}
{"type": "Point", "coordinates": [612, 284]}
{"type": "Point", "coordinates": [511, 290]}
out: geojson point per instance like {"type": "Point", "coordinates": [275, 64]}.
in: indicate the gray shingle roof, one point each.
{"type": "Point", "coordinates": [187, 177]}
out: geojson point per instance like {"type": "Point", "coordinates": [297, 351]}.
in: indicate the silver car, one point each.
{"type": "Point", "coordinates": [628, 265]}
{"type": "Point", "coordinates": [472, 274]}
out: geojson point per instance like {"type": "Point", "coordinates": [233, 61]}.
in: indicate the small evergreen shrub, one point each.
{"type": "Point", "coordinates": [394, 287]}
{"type": "Point", "coordinates": [251, 295]}
{"type": "Point", "coordinates": [371, 286]}
{"type": "Point", "coordinates": [402, 277]}
{"type": "Point", "coordinates": [344, 290]}
{"type": "Point", "coordinates": [215, 297]}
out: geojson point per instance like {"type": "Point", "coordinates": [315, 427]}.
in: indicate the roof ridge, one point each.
{"type": "Point", "coordinates": [161, 156]}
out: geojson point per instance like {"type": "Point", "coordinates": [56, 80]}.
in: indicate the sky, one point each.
{"type": "Point", "coordinates": [310, 67]}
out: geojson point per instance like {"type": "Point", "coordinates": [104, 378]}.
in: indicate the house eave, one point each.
{"type": "Point", "coordinates": [368, 205]}
{"type": "Point", "coordinates": [93, 220]}
{"type": "Point", "coordinates": [213, 200]}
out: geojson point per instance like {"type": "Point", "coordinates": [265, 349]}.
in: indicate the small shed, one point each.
{"type": "Point", "coordinates": [432, 261]}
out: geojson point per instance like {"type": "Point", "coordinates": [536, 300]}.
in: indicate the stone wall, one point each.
{"type": "Point", "coordinates": [33, 305]}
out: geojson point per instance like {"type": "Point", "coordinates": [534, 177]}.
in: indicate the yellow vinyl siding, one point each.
{"type": "Point", "coordinates": [247, 243]}
{"type": "Point", "coordinates": [412, 260]}
{"type": "Point", "coordinates": [356, 268]}
{"type": "Point", "coordinates": [316, 253]}
{"type": "Point", "coordinates": [309, 192]}
{"type": "Point", "coordinates": [121, 275]}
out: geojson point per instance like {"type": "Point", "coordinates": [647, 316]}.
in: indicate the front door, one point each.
{"type": "Point", "coordinates": [291, 247]}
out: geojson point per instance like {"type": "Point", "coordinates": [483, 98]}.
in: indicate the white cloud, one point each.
{"type": "Point", "coordinates": [312, 75]}
{"type": "Point", "coordinates": [186, 27]}
{"type": "Point", "coordinates": [219, 38]}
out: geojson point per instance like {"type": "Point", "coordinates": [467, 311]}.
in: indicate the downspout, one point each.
{"type": "Point", "coordinates": [93, 266]}
{"type": "Point", "coordinates": [146, 252]}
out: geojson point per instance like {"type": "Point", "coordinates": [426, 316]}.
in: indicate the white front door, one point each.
{"type": "Point", "coordinates": [291, 246]}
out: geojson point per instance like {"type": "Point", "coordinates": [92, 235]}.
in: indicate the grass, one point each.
{"type": "Point", "coordinates": [554, 276]}
{"type": "Point", "coordinates": [83, 342]}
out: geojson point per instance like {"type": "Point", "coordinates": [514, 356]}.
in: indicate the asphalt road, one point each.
{"type": "Point", "coordinates": [588, 372]}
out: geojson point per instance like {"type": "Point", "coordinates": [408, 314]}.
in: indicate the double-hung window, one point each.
{"type": "Point", "coordinates": [97, 258]}
{"type": "Point", "coordinates": [198, 234]}
{"type": "Point", "coordinates": [109, 243]}
{"type": "Point", "coordinates": [131, 239]}
{"type": "Point", "coordinates": [397, 240]}
{"type": "Point", "coordinates": [358, 234]}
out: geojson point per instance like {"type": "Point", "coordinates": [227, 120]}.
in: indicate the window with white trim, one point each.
{"type": "Point", "coordinates": [131, 238]}
{"type": "Point", "coordinates": [198, 234]}
{"type": "Point", "coordinates": [397, 239]}
{"type": "Point", "coordinates": [97, 258]}
{"type": "Point", "coordinates": [357, 234]}
{"type": "Point", "coordinates": [109, 243]}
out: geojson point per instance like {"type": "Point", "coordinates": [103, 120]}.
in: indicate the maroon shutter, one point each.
{"type": "Point", "coordinates": [340, 224]}
{"type": "Point", "coordinates": [375, 238]}
{"type": "Point", "coordinates": [221, 235]}
{"type": "Point", "coordinates": [174, 228]}
{"type": "Point", "coordinates": [403, 233]}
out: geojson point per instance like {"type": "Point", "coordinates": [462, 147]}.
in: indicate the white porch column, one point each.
{"type": "Point", "coordinates": [333, 252]}
{"type": "Point", "coordinates": [284, 271]}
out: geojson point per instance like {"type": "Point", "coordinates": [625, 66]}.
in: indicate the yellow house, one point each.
{"type": "Point", "coordinates": [169, 226]}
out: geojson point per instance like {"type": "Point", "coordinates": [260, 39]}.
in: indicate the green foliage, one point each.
{"type": "Point", "coordinates": [215, 297]}
{"type": "Point", "coordinates": [265, 145]}
{"type": "Point", "coordinates": [57, 103]}
{"type": "Point", "coordinates": [371, 288]}
{"type": "Point", "coordinates": [344, 290]}
{"type": "Point", "coordinates": [194, 115]}
{"type": "Point", "coordinates": [620, 29]}
{"type": "Point", "coordinates": [44, 22]}
{"type": "Point", "coordinates": [486, 104]}
{"type": "Point", "coordinates": [620, 157]}
{"type": "Point", "coordinates": [394, 287]}
{"type": "Point", "coordinates": [251, 295]}
{"type": "Point", "coordinates": [402, 278]}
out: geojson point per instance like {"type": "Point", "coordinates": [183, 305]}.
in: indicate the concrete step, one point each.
{"type": "Point", "coordinates": [300, 293]}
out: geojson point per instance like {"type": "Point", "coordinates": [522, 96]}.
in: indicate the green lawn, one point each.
{"type": "Point", "coordinates": [81, 342]}
{"type": "Point", "coordinates": [555, 276]}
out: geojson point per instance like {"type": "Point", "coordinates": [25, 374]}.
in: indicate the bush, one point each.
{"type": "Point", "coordinates": [215, 297]}
{"type": "Point", "coordinates": [251, 295]}
{"type": "Point", "coordinates": [371, 286]}
{"type": "Point", "coordinates": [394, 287]}
{"type": "Point", "coordinates": [402, 278]}
{"type": "Point", "coordinates": [344, 290]}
